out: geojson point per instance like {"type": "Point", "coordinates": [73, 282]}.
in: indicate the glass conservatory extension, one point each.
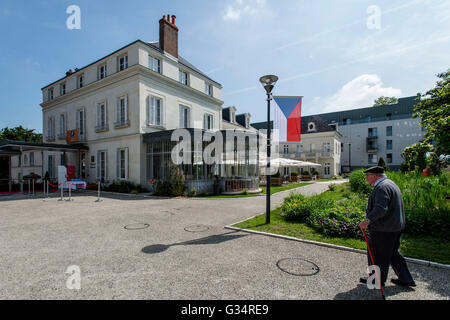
{"type": "Point", "coordinates": [224, 161]}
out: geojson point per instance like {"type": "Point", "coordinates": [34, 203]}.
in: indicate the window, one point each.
{"type": "Point", "coordinates": [154, 111]}
{"type": "Point", "coordinates": [208, 122]}
{"type": "Point", "coordinates": [342, 147]}
{"type": "Point", "coordinates": [154, 64]}
{"type": "Point", "coordinates": [326, 147]}
{"type": "Point", "coordinates": [373, 159]}
{"type": "Point", "coordinates": [184, 117]}
{"type": "Point", "coordinates": [81, 121]}
{"type": "Point", "coordinates": [311, 126]}
{"type": "Point", "coordinates": [31, 158]}
{"type": "Point", "coordinates": [389, 158]}
{"type": "Point", "coordinates": [183, 77]}
{"type": "Point", "coordinates": [62, 159]}
{"type": "Point", "coordinates": [122, 111]}
{"type": "Point", "coordinates": [286, 149]}
{"type": "Point", "coordinates": [372, 133]}
{"type": "Point", "coordinates": [122, 163]}
{"type": "Point", "coordinates": [51, 129]}
{"type": "Point", "coordinates": [299, 148]}
{"type": "Point", "coordinates": [347, 121]}
{"type": "Point", "coordinates": [369, 118]}
{"type": "Point", "coordinates": [311, 147]}
{"type": "Point", "coordinates": [62, 89]}
{"type": "Point", "coordinates": [51, 166]}
{"type": "Point", "coordinates": [389, 131]}
{"type": "Point", "coordinates": [208, 89]}
{"type": "Point", "coordinates": [81, 81]}
{"type": "Point", "coordinates": [123, 62]}
{"type": "Point", "coordinates": [247, 122]}
{"type": "Point", "coordinates": [62, 125]}
{"type": "Point", "coordinates": [101, 116]}
{"type": "Point", "coordinates": [388, 144]}
{"type": "Point", "coordinates": [388, 116]}
{"type": "Point", "coordinates": [326, 169]}
{"type": "Point", "coordinates": [25, 159]}
{"type": "Point", "coordinates": [102, 71]}
{"type": "Point", "coordinates": [101, 165]}
{"type": "Point", "coordinates": [50, 94]}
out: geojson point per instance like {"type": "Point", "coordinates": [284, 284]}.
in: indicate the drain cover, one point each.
{"type": "Point", "coordinates": [196, 228]}
{"type": "Point", "coordinates": [137, 226]}
{"type": "Point", "coordinates": [298, 267]}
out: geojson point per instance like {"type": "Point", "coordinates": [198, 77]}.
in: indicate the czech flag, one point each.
{"type": "Point", "coordinates": [287, 117]}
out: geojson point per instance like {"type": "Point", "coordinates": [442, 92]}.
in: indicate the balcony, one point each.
{"type": "Point", "coordinates": [102, 128]}
{"type": "Point", "coordinates": [371, 145]}
{"type": "Point", "coordinates": [121, 124]}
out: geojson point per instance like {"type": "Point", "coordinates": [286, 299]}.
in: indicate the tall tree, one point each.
{"type": "Point", "coordinates": [383, 101]}
{"type": "Point", "coordinates": [434, 110]}
{"type": "Point", "coordinates": [20, 133]}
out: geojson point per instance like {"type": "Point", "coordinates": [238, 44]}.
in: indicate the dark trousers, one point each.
{"type": "Point", "coordinates": [384, 247]}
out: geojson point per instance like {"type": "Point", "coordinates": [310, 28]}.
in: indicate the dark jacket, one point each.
{"type": "Point", "coordinates": [385, 208]}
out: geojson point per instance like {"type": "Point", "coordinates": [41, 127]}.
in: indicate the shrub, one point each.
{"type": "Point", "coordinates": [277, 175]}
{"type": "Point", "coordinates": [332, 187]}
{"type": "Point", "coordinates": [294, 174]}
{"type": "Point", "coordinates": [314, 172]}
{"type": "Point", "coordinates": [193, 192]}
{"type": "Point", "coordinates": [245, 192]}
{"type": "Point", "coordinates": [297, 207]}
{"type": "Point", "coordinates": [124, 187]}
{"type": "Point", "coordinates": [358, 182]}
{"type": "Point", "coordinates": [305, 173]}
{"type": "Point", "coordinates": [341, 220]}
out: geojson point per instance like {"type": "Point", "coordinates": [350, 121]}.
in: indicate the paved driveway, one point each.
{"type": "Point", "coordinates": [184, 253]}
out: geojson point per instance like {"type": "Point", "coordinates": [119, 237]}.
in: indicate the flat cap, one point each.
{"type": "Point", "coordinates": [377, 169]}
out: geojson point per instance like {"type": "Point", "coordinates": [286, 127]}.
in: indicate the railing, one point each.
{"type": "Point", "coordinates": [102, 127]}
{"type": "Point", "coordinates": [121, 124]}
{"type": "Point", "coordinates": [378, 119]}
{"type": "Point", "coordinates": [239, 184]}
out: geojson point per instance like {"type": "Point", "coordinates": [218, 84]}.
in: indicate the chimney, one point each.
{"type": "Point", "coordinates": [168, 35]}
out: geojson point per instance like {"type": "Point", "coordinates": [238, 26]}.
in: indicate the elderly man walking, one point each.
{"type": "Point", "coordinates": [385, 220]}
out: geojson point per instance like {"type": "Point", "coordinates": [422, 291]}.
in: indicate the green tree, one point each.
{"type": "Point", "coordinates": [382, 101]}
{"type": "Point", "coordinates": [434, 110]}
{"type": "Point", "coordinates": [416, 156]}
{"type": "Point", "coordinates": [20, 133]}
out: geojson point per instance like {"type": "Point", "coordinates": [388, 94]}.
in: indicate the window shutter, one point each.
{"type": "Point", "coordinates": [126, 108]}
{"type": "Point", "coordinates": [98, 164]}
{"type": "Point", "coordinates": [118, 163]}
{"type": "Point", "coordinates": [148, 111]}
{"type": "Point", "coordinates": [126, 163]}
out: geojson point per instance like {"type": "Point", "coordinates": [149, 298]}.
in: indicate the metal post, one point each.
{"type": "Point", "coordinates": [268, 162]}
{"type": "Point", "coordinates": [98, 194]}
{"type": "Point", "coordinates": [70, 191]}
{"type": "Point", "coordinates": [62, 192]}
{"type": "Point", "coordinates": [33, 187]}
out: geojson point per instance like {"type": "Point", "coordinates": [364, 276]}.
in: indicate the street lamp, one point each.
{"type": "Point", "coordinates": [268, 83]}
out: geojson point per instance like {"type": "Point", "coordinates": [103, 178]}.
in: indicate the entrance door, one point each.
{"type": "Point", "coordinates": [83, 166]}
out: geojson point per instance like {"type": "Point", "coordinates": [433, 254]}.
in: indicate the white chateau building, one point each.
{"type": "Point", "coordinates": [112, 119]}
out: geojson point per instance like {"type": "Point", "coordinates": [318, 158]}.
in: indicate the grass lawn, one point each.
{"type": "Point", "coordinates": [419, 247]}
{"type": "Point", "coordinates": [273, 189]}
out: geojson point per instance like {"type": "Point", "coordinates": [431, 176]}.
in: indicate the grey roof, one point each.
{"type": "Point", "coordinates": [10, 144]}
{"type": "Point", "coordinates": [184, 62]}
{"type": "Point", "coordinates": [401, 110]}
{"type": "Point", "coordinates": [153, 45]}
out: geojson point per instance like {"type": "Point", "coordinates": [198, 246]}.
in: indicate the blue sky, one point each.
{"type": "Point", "coordinates": [334, 53]}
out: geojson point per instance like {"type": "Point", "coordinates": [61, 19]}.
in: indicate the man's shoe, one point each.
{"type": "Point", "coordinates": [403, 284]}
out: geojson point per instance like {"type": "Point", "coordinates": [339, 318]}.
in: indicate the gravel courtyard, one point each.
{"type": "Point", "coordinates": [183, 252]}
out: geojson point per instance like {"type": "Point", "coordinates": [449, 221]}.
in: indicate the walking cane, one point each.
{"type": "Point", "coordinates": [373, 263]}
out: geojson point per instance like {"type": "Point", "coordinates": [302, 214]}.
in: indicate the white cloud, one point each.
{"type": "Point", "coordinates": [359, 92]}
{"type": "Point", "coordinates": [243, 7]}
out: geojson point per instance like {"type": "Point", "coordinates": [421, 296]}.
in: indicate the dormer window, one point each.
{"type": "Point", "coordinates": [102, 71]}
{"type": "Point", "coordinates": [183, 77]}
{"type": "Point", "coordinates": [50, 94]}
{"type": "Point", "coordinates": [232, 116]}
{"type": "Point", "coordinates": [311, 127]}
{"type": "Point", "coordinates": [80, 81]}
{"type": "Point", "coordinates": [154, 64]}
{"type": "Point", "coordinates": [208, 89]}
{"type": "Point", "coordinates": [123, 62]}
{"type": "Point", "coordinates": [62, 89]}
